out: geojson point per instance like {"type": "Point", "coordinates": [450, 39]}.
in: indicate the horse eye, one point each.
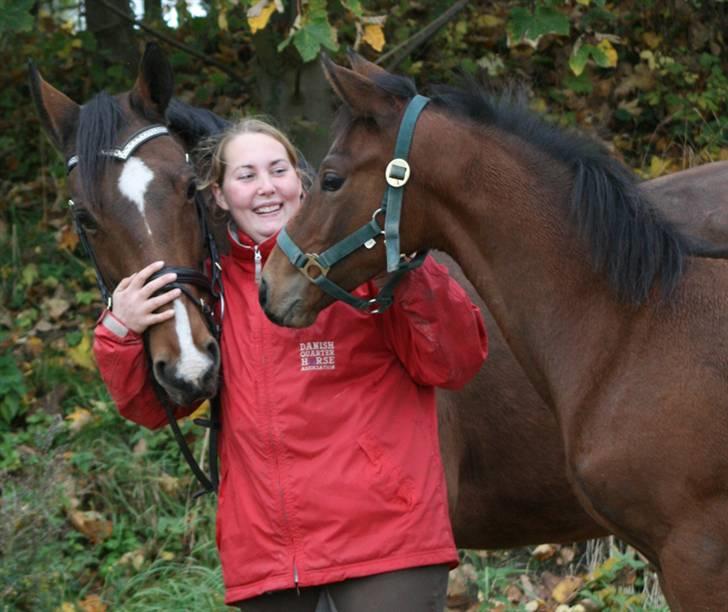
{"type": "Point", "coordinates": [191, 190]}
{"type": "Point", "coordinates": [331, 182]}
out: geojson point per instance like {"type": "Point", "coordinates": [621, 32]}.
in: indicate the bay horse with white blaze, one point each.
{"type": "Point", "coordinates": [615, 325]}
{"type": "Point", "coordinates": [134, 201]}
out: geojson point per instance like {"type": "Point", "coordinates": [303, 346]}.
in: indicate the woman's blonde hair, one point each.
{"type": "Point", "coordinates": [209, 158]}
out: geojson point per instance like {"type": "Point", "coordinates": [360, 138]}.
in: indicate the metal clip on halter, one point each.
{"type": "Point", "coordinates": [397, 174]}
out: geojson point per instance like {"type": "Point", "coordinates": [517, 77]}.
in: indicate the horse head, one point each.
{"type": "Point", "coordinates": [134, 201]}
{"type": "Point", "coordinates": [347, 196]}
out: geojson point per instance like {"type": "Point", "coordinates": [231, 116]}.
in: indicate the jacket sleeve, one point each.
{"type": "Point", "coordinates": [434, 329]}
{"type": "Point", "coordinates": [122, 363]}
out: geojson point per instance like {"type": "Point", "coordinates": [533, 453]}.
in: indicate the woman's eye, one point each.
{"type": "Point", "coordinates": [331, 182]}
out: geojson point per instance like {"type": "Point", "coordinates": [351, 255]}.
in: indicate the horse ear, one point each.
{"type": "Point", "coordinates": [57, 112]}
{"type": "Point", "coordinates": [363, 66]}
{"type": "Point", "coordinates": [358, 91]}
{"type": "Point", "coordinates": [154, 85]}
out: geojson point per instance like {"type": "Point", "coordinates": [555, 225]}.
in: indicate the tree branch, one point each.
{"type": "Point", "coordinates": [394, 56]}
{"type": "Point", "coordinates": [234, 74]}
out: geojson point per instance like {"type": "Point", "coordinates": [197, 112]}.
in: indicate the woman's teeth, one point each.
{"type": "Point", "coordinates": [263, 210]}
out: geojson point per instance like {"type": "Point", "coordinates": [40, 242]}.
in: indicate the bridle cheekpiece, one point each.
{"type": "Point", "coordinates": [316, 266]}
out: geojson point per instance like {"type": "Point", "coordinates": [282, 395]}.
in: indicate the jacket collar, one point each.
{"type": "Point", "coordinates": [242, 246]}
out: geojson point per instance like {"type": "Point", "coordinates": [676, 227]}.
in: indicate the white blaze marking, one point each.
{"type": "Point", "coordinates": [192, 364]}
{"type": "Point", "coordinates": [133, 182]}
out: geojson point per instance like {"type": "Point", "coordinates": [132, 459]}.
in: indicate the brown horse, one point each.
{"type": "Point", "coordinates": [134, 193]}
{"type": "Point", "coordinates": [614, 324]}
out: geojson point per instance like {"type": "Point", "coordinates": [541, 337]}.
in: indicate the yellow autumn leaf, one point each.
{"type": "Point", "coordinates": [374, 36]}
{"type": "Point", "coordinates": [651, 39]}
{"type": "Point", "coordinates": [490, 21]}
{"type": "Point", "coordinates": [81, 354]}
{"type": "Point", "coordinates": [92, 603]}
{"type": "Point", "coordinates": [166, 555]}
{"type": "Point", "coordinates": [79, 418]}
{"type": "Point", "coordinates": [565, 590]}
{"type": "Point", "coordinates": [222, 21]}
{"type": "Point", "coordinates": [723, 155]}
{"type": "Point", "coordinates": [658, 166]}
{"type": "Point", "coordinates": [201, 410]}
{"type": "Point", "coordinates": [259, 15]}
{"type": "Point", "coordinates": [610, 52]}
{"type": "Point", "coordinates": [66, 606]}
{"type": "Point", "coordinates": [583, 2]}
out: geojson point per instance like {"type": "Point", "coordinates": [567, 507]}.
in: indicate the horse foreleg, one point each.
{"type": "Point", "coordinates": [694, 563]}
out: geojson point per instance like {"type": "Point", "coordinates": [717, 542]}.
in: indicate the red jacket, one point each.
{"type": "Point", "coordinates": [330, 463]}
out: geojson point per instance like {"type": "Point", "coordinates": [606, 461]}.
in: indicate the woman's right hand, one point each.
{"type": "Point", "coordinates": [134, 304]}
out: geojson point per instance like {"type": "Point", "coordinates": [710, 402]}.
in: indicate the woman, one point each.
{"type": "Point", "coordinates": [330, 467]}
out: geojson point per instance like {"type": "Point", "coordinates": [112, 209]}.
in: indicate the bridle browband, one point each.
{"type": "Point", "coordinates": [185, 276]}
{"type": "Point", "coordinates": [315, 266]}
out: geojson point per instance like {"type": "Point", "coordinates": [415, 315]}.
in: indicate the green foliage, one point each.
{"type": "Point", "coordinates": [12, 390]}
{"type": "Point", "coordinates": [529, 26]}
{"type": "Point", "coordinates": [16, 16]}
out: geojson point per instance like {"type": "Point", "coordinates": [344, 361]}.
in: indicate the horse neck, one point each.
{"type": "Point", "coordinates": [501, 213]}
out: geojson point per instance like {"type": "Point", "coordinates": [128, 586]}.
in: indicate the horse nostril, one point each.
{"type": "Point", "coordinates": [213, 351]}
{"type": "Point", "coordinates": [160, 367]}
{"type": "Point", "coordinates": [263, 293]}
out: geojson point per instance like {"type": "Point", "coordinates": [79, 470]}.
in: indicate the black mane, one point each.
{"type": "Point", "coordinates": [99, 123]}
{"type": "Point", "coordinates": [192, 123]}
{"type": "Point", "coordinates": [102, 119]}
{"type": "Point", "coordinates": [630, 242]}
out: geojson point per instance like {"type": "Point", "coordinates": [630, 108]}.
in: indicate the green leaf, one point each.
{"type": "Point", "coordinates": [16, 16]}
{"type": "Point", "coordinates": [353, 6]}
{"type": "Point", "coordinates": [579, 58]}
{"type": "Point", "coordinates": [310, 38]}
{"type": "Point", "coordinates": [526, 27]}
{"type": "Point", "coordinates": [579, 84]}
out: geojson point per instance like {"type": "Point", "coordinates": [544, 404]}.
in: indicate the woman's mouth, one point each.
{"type": "Point", "coordinates": [268, 209]}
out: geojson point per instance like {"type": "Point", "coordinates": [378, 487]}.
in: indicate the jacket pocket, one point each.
{"type": "Point", "coordinates": [385, 475]}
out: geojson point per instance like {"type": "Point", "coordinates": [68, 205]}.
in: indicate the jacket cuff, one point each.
{"type": "Point", "coordinates": [113, 324]}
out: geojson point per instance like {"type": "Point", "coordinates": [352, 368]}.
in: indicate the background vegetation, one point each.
{"type": "Point", "coordinates": [96, 513]}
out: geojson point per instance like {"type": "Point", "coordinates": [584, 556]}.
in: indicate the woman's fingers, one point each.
{"type": "Point", "coordinates": [140, 278]}
{"type": "Point", "coordinates": [161, 300]}
{"type": "Point", "coordinates": [159, 317]}
{"type": "Point", "coordinates": [152, 287]}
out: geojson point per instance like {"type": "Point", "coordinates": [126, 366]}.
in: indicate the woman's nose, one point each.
{"type": "Point", "coordinates": [265, 184]}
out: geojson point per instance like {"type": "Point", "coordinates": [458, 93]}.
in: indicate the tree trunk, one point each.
{"type": "Point", "coordinates": [153, 11]}
{"type": "Point", "coordinates": [114, 36]}
{"type": "Point", "coordinates": [296, 95]}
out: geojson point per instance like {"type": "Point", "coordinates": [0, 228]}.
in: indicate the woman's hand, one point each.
{"type": "Point", "coordinates": [133, 301]}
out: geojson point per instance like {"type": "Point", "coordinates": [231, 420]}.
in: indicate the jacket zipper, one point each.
{"type": "Point", "coordinates": [258, 258]}
{"type": "Point", "coordinates": [295, 576]}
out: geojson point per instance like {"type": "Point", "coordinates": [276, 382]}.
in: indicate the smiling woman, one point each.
{"type": "Point", "coordinates": [331, 478]}
{"type": "Point", "coordinates": [254, 177]}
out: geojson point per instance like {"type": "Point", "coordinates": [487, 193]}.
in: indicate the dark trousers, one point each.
{"type": "Point", "coordinates": [418, 589]}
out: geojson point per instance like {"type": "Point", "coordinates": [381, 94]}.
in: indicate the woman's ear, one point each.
{"type": "Point", "coordinates": [219, 196]}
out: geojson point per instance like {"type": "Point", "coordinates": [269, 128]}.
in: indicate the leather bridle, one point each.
{"type": "Point", "coordinates": [185, 276]}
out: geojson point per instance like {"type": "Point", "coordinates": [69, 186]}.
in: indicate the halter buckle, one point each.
{"type": "Point", "coordinates": [397, 173]}
{"type": "Point", "coordinates": [373, 306]}
{"type": "Point", "coordinates": [312, 262]}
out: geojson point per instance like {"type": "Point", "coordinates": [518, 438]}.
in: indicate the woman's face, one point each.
{"type": "Point", "coordinates": [261, 189]}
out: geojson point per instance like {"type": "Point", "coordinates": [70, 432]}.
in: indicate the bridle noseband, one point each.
{"type": "Point", "coordinates": [315, 266]}
{"type": "Point", "coordinates": [185, 276]}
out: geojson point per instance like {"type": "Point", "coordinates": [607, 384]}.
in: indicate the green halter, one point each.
{"type": "Point", "coordinates": [315, 267]}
